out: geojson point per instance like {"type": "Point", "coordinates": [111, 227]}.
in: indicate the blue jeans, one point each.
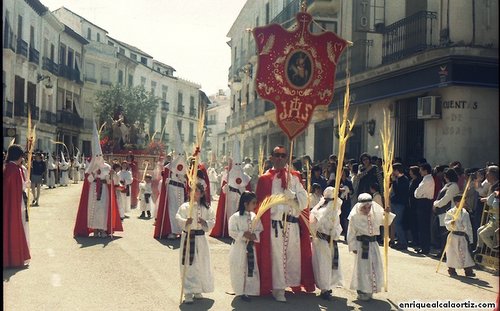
{"type": "Point", "coordinates": [399, 209]}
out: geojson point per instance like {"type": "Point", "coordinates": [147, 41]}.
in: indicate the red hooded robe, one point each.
{"type": "Point", "coordinates": [15, 246]}
{"type": "Point", "coordinates": [263, 249]}
{"type": "Point", "coordinates": [81, 227]}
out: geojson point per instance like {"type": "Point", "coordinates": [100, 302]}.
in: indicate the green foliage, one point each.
{"type": "Point", "coordinates": [136, 103]}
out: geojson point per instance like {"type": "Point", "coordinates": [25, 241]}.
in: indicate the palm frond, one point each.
{"type": "Point", "coordinates": [267, 203]}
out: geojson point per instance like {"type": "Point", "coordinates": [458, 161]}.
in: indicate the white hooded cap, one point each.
{"type": "Point", "coordinates": [237, 177]}
{"type": "Point", "coordinates": [97, 160]}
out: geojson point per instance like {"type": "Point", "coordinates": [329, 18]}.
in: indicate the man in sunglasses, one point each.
{"type": "Point", "coordinates": [285, 235]}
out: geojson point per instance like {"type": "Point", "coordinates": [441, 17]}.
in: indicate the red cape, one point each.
{"type": "Point", "coordinates": [15, 245]}
{"type": "Point", "coordinates": [81, 226]}
{"type": "Point", "coordinates": [208, 195]}
{"type": "Point", "coordinates": [218, 231]}
{"type": "Point", "coordinates": [263, 249]}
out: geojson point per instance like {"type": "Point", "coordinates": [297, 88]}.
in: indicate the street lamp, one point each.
{"type": "Point", "coordinates": [48, 86]}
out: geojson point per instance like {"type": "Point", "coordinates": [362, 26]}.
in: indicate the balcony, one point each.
{"type": "Point", "coordinates": [359, 51]}
{"type": "Point", "coordinates": [69, 118]}
{"type": "Point", "coordinates": [180, 110]}
{"type": "Point", "coordinates": [90, 79]}
{"type": "Point", "coordinates": [408, 36]}
{"type": "Point", "coordinates": [34, 56]}
{"type": "Point", "coordinates": [9, 107]}
{"type": "Point", "coordinates": [192, 112]}
{"type": "Point", "coordinates": [49, 65]}
{"type": "Point", "coordinates": [69, 73]}
{"type": "Point", "coordinates": [8, 41]}
{"type": "Point", "coordinates": [21, 110]}
{"type": "Point", "coordinates": [286, 17]}
{"type": "Point", "coordinates": [48, 117]}
{"type": "Point", "coordinates": [22, 48]}
{"type": "Point", "coordinates": [165, 106]}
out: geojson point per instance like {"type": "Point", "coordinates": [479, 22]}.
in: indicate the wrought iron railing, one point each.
{"type": "Point", "coordinates": [360, 51]}
{"type": "Point", "coordinates": [165, 106]}
{"type": "Point", "coordinates": [48, 117]}
{"type": "Point", "coordinates": [180, 110]}
{"type": "Point", "coordinates": [192, 112]}
{"type": "Point", "coordinates": [409, 36]}
{"type": "Point", "coordinates": [286, 17]}
{"type": "Point", "coordinates": [69, 118]}
{"type": "Point", "coordinates": [22, 47]}
{"type": "Point", "coordinates": [49, 65]}
{"type": "Point", "coordinates": [34, 56]}
{"type": "Point", "coordinates": [21, 110]}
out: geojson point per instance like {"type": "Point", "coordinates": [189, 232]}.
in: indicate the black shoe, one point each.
{"type": "Point", "coordinates": [452, 272]}
{"type": "Point", "coordinates": [326, 295]}
{"type": "Point", "coordinates": [149, 214]}
{"type": "Point", "coordinates": [423, 252]}
{"type": "Point", "coordinates": [469, 272]}
{"type": "Point", "coordinates": [142, 215]}
{"type": "Point", "coordinates": [400, 247]}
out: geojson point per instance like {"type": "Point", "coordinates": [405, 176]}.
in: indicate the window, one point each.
{"type": "Point", "coordinates": [192, 109]}
{"type": "Point", "coordinates": [267, 13]}
{"type": "Point", "coordinates": [164, 90]}
{"type": "Point", "coordinates": [130, 80]}
{"type": "Point", "coordinates": [121, 51]}
{"type": "Point", "coordinates": [62, 55]}
{"type": "Point", "coordinates": [19, 27]}
{"type": "Point", "coordinates": [191, 132]}
{"type": "Point", "coordinates": [153, 87]}
{"type": "Point", "coordinates": [45, 47]}
{"type": "Point", "coordinates": [105, 74]}
{"type": "Point", "coordinates": [77, 61]}
{"type": "Point", "coordinates": [70, 58]}
{"type": "Point", "coordinates": [32, 37]}
{"type": "Point", "coordinates": [133, 56]}
{"type": "Point", "coordinates": [143, 81]}
{"type": "Point", "coordinates": [90, 71]}
{"type": "Point", "coordinates": [179, 127]}
{"type": "Point", "coordinates": [111, 43]}
{"type": "Point", "coordinates": [144, 60]}
{"type": "Point", "coordinates": [120, 76]}
{"type": "Point", "coordinates": [52, 52]}
{"type": "Point", "coordinates": [180, 107]}
{"type": "Point", "coordinates": [89, 34]}
{"type": "Point", "coordinates": [98, 37]}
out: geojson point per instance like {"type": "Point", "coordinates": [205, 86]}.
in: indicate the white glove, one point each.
{"type": "Point", "coordinates": [225, 188]}
{"type": "Point", "coordinates": [90, 178]}
{"type": "Point", "coordinates": [289, 194]}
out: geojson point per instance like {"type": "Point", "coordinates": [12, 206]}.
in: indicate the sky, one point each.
{"type": "Point", "coordinates": [189, 35]}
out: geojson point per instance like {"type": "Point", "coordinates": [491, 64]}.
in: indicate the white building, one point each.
{"type": "Point", "coordinates": [432, 64]}
{"type": "Point", "coordinates": [217, 116]}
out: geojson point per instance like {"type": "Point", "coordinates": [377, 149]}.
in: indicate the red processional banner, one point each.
{"type": "Point", "coordinates": [296, 71]}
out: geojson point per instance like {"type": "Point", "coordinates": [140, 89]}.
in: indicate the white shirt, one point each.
{"type": "Point", "coordinates": [425, 189]}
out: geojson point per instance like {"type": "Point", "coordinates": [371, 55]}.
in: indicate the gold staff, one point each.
{"type": "Point", "coordinates": [388, 154]}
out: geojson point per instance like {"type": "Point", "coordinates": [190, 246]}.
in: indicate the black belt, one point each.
{"type": "Point", "coordinates": [176, 183]}
{"type": "Point", "coordinates": [146, 197]}
{"type": "Point", "coordinates": [461, 233]}
{"type": "Point", "coordinates": [250, 259]}
{"type": "Point", "coordinates": [63, 170]}
{"type": "Point", "coordinates": [274, 225]}
{"type": "Point", "coordinates": [365, 244]}
{"type": "Point", "coordinates": [234, 190]}
{"type": "Point", "coordinates": [335, 259]}
{"type": "Point", "coordinates": [291, 219]}
{"type": "Point", "coordinates": [192, 245]}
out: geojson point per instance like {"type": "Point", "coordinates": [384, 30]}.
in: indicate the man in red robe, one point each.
{"type": "Point", "coordinates": [281, 241]}
{"type": "Point", "coordinates": [16, 251]}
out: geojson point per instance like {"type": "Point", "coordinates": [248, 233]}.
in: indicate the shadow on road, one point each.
{"type": "Point", "coordinates": [473, 281]}
{"type": "Point", "coordinates": [91, 241]}
{"type": "Point", "coordinates": [172, 244]}
{"type": "Point", "coordinates": [198, 304]}
{"type": "Point", "coordinates": [374, 304]}
{"type": "Point", "coordinates": [225, 240]}
{"type": "Point", "coordinates": [9, 272]}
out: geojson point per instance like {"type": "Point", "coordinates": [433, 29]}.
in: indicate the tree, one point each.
{"type": "Point", "coordinates": [136, 104]}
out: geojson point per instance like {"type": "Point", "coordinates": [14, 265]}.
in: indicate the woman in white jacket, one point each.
{"type": "Point", "coordinates": [243, 267]}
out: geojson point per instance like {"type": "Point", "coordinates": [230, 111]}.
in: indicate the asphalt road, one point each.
{"type": "Point", "coordinates": [133, 271]}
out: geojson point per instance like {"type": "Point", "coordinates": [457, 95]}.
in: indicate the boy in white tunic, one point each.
{"type": "Point", "coordinates": [199, 277]}
{"type": "Point", "coordinates": [365, 220]}
{"type": "Point", "coordinates": [126, 180]}
{"type": "Point", "coordinates": [145, 196]}
{"type": "Point", "coordinates": [457, 251]}
{"type": "Point", "coordinates": [325, 223]}
{"type": "Point", "coordinates": [242, 264]}
{"type": "Point", "coordinates": [118, 189]}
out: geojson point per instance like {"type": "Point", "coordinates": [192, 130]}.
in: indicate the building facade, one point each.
{"type": "Point", "coordinates": [432, 65]}
{"type": "Point", "coordinates": [56, 62]}
{"type": "Point", "coordinates": [217, 118]}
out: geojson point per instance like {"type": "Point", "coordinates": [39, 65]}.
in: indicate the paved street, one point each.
{"type": "Point", "coordinates": [136, 272]}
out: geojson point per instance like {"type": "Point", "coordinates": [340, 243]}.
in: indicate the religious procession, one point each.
{"type": "Point", "coordinates": [283, 230]}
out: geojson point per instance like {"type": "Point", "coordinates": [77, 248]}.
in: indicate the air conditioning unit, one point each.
{"type": "Point", "coordinates": [429, 107]}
